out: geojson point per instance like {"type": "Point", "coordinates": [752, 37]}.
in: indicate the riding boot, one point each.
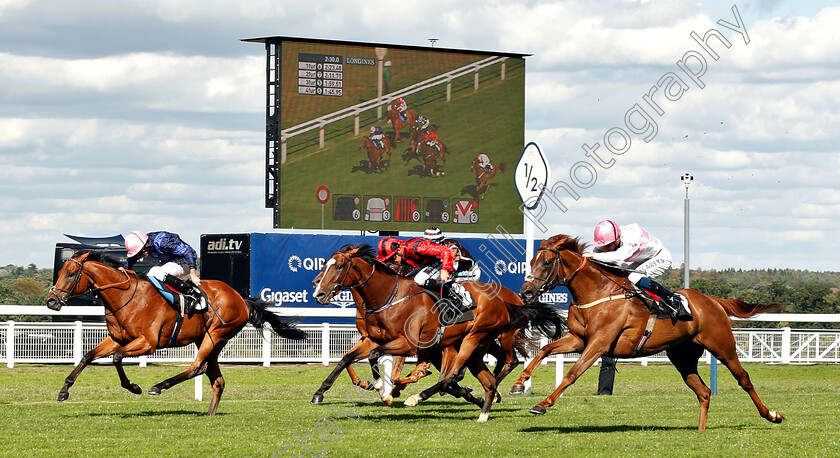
{"type": "Point", "coordinates": [672, 301]}
{"type": "Point", "coordinates": [189, 291]}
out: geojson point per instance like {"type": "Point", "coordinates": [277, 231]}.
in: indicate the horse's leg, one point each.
{"type": "Point", "coordinates": [217, 383]}
{"type": "Point", "coordinates": [124, 381]}
{"type": "Point", "coordinates": [685, 357]}
{"type": "Point", "coordinates": [590, 354]}
{"type": "Point", "coordinates": [566, 344]}
{"type": "Point", "coordinates": [360, 350]}
{"type": "Point", "coordinates": [723, 348]}
{"type": "Point", "coordinates": [488, 381]}
{"type": "Point", "coordinates": [355, 380]}
{"type": "Point", "coordinates": [209, 347]}
{"type": "Point", "coordinates": [105, 348]}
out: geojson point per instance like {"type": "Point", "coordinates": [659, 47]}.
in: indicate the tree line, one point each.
{"type": "Point", "coordinates": [801, 291]}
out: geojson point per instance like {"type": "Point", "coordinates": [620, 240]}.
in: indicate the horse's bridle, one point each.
{"type": "Point", "coordinates": [550, 281]}
{"type": "Point", "coordinates": [340, 285]}
{"type": "Point", "coordinates": [68, 293]}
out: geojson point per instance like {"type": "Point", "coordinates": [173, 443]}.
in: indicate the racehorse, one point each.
{"type": "Point", "coordinates": [483, 178]}
{"type": "Point", "coordinates": [608, 318]}
{"type": "Point", "coordinates": [374, 153]}
{"type": "Point", "coordinates": [394, 118]}
{"type": "Point", "coordinates": [140, 321]}
{"type": "Point", "coordinates": [407, 320]}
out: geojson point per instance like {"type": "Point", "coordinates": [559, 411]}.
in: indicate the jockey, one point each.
{"type": "Point", "coordinates": [422, 122]}
{"type": "Point", "coordinates": [400, 107]}
{"type": "Point", "coordinates": [431, 139]}
{"type": "Point", "coordinates": [632, 248]}
{"type": "Point", "coordinates": [432, 264]}
{"type": "Point", "coordinates": [466, 269]}
{"type": "Point", "coordinates": [485, 163]}
{"type": "Point", "coordinates": [175, 258]}
{"type": "Point", "coordinates": [376, 136]}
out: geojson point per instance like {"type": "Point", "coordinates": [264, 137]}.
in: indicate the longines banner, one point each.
{"type": "Point", "coordinates": [283, 266]}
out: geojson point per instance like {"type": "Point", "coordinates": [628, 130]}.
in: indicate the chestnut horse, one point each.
{"type": "Point", "coordinates": [140, 321]}
{"type": "Point", "coordinates": [394, 118]}
{"type": "Point", "coordinates": [483, 178]}
{"type": "Point", "coordinates": [407, 320]}
{"type": "Point", "coordinates": [374, 153]}
{"type": "Point", "coordinates": [607, 317]}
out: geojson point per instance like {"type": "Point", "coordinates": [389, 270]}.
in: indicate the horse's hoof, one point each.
{"type": "Point", "coordinates": [134, 388]}
{"type": "Point", "coordinates": [365, 385]}
{"type": "Point", "coordinates": [388, 400]}
{"type": "Point", "coordinates": [412, 401]}
{"type": "Point", "coordinates": [483, 417]}
{"type": "Point", "coordinates": [498, 398]}
{"type": "Point", "coordinates": [378, 384]}
{"type": "Point", "coordinates": [317, 399]}
{"type": "Point", "coordinates": [62, 396]}
{"type": "Point", "coordinates": [154, 391]}
{"type": "Point", "coordinates": [517, 388]}
{"type": "Point", "coordinates": [537, 410]}
{"type": "Point", "coordinates": [776, 417]}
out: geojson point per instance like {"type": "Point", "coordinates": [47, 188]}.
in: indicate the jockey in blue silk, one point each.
{"type": "Point", "coordinates": [632, 248]}
{"type": "Point", "coordinates": [376, 136]}
{"type": "Point", "coordinates": [175, 258]}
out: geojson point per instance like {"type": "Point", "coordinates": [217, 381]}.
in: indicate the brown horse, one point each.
{"type": "Point", "coordinates": [374, 153]}
{"type": "Point", "coordinates": [483, 178]}
{"type": "Point", "coordinates": [394, 118]}
{"type": "Point", "coordinates": [608, 318]}
{"type": "Point", "coordinates": [140, 321]}
{"type": "Point", "coordinates": [407, 320]}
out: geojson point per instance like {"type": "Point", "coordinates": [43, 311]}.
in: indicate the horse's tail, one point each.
{"type": "Point", "coordinates": [543, 318]}
{"type": "Point", "coordinates": [741, 309]}
{"type": "Point", "coordinates": [501, 166]}
{"type": "Point", "coordinates": [525, 344]}
{"type": "Point", "coordinates": [259, 316]}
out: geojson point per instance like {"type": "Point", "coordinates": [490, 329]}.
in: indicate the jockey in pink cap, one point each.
{"type": "Point", "coordinates": [632, 248]}
{"type": "Point", "coordinates": [175, 258]}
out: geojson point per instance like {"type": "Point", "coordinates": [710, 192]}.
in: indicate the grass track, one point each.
{"type": "Point", "coordinates": [651, 414]}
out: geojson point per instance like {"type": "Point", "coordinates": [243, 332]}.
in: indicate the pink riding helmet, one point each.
{"type": "Point", "coordinates": [135, 241]}
{"type": "Point", "coordinates": [606, 232]}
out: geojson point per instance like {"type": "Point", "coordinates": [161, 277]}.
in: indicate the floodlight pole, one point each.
{"type": "Point", "coordinates": [686, 179]}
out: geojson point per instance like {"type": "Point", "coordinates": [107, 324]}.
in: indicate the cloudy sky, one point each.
{"type": "Point", "coordinates": [126, 115]}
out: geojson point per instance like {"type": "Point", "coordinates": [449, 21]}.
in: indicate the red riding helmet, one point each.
{"type": "Point", "coordinates": [387, 248]}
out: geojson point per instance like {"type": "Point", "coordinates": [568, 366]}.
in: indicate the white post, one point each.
{"type": "Point", "coordinates": [266, 347]}
{"type": "Point", "coordinates": [786, 334]}
{"type": "Point", "coordinates": [199, 383]}
{"type": "Point", "coordinates": [325, 344]}
{"type": "Point", "coordinates": [77, 343]}
{"type": "Point", "coordinates": [559, 371]}
{"type": "Point", "coordinates": [448, 88]}
{"type": "Point", "coordinates": [10, 345]}
{"type": "Point", "coordinates": [321, 135]}
{"type": "Point", "coordinates": [475, 86]}
{"type": "Point", "coordinates": [199, 388]}
{"type": "Point", "coordinates": [356, 123]}
{"type": "Point", "coordinates": [144, 360]}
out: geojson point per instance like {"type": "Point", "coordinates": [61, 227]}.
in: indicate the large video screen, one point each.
{"type": "Point", "coordinates": [398, 138]}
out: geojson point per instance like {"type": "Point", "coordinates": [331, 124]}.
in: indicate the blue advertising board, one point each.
{"type": "Point", "coordinates": [282, 267]}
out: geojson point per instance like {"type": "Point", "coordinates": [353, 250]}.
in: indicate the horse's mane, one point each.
{"type": "Point", "coordinates": [565, 242]}
{"type": "Point", "coordinates": [368, 254]}
{"type": "Point", "coordinates": [101, 257]}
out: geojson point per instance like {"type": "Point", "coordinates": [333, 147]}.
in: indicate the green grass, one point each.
{"type": "Point", "coordinates": [651, 414]}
